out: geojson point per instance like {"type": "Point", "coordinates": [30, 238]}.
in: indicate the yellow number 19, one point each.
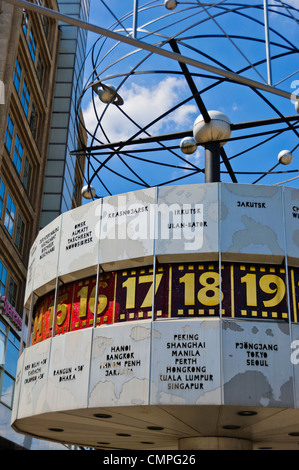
{"type": "Point", "coordinates": [265, 285]}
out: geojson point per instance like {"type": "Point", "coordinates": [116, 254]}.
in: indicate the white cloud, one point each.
{"type": "Point", "coordinates": [143, 104]}
{"type": "Point", "coordinates": [294, 3]}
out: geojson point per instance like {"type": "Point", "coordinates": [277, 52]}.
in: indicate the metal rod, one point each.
{"type": "Point", "coordinates": [23, 331]}
{"type": "Point", "coordinates": [212, 163]}
{"type": "Point", "coordinates": [286, 181]}
{"type": "Point", "coordinates": [182, 134]}
{"type": "Point", "coordinates": [96, 297]}
{"type": "Point", "coordinates": [192, 86]}
{"type": "Point", "coordinates": [227, 164]}
{"type": "Point", "coordinates": [264, 122]}
{"type": "Point", "coordinates": [55, 305]}
{"type": "Point", "coordinates": [29, 326]}
{"type": "Point", "coordinates": [135, 19]}
{"type": "Point", "coordinates": [266, 21]}
{"type": "Point", "coordinates": [154, 49]}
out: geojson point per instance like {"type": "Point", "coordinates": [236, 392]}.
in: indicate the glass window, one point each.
{"type": "Point", "coordinates": [9, 353]}
{"type": "Point", "coordinates": [20, 229]}
{"type": "Point", "coordinates": [33, 121]}
{"type": "Point", "coordinates": [2, 349]}
{"type": "Point", "coordinates": [45, 22]}
{"type": "Point", "coordinates": [2, 191]}
{"type": "Point", "coordinates": [9, 215]}
{"type": "Point", "coordinates": [25, 98]}
{"type": "Point", "coordinates": [12, 292]}
{"type": "Point", "coordinates": [18, 154]}
{"type": "Point", "coordinates": [3, 326]}
{"type": "Point", "coordinates": [3, 277]}
{"type": "Point", "coordinates": [7, 390]}
{"type": "Point", "coordinates": [9, 133]}
{"type": "Point", "coordinates": [17, 75]}
{"type": "Point", "coordinates": [39, 69]}
{"type": "Point", "coordinates": [14, 339]}
{"type": "Point", "coordinates": [12, 354]}
{"type": "Point", "coordinates": [25, 20]}
{"type": "Point", "coordinates": [32, 46]}
{"type": "Point", "coordinates": [27, 174]}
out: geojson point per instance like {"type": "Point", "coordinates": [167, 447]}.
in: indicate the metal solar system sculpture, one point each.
{"type": "Point", "coordinates": [153, 120]}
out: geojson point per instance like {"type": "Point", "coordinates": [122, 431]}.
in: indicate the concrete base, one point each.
{"type": "Point", "coordinates": [214, 443]}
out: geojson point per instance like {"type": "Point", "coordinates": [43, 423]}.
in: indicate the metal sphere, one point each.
{"type": "Point", "coordinates": [217, 129]}
{"type": "Point", "coordinates": [285, 157]}
{"type": "Point", "coordinates": [88, 192]}
{"type": "Point", "coordinates": [106, 93]}
{"type": "Point", "coordinates": [188, 145]}
{"type": "Point", "coordinates": [170, 4]}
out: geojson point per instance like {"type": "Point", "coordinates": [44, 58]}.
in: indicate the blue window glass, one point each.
{"type": "Point", "coordinates": [25, 98]}
{"type": "Point", "coordinates": [18, 154]}
{"type": "Point", "coordinates": [9, 215]}
{"type": "Point", "coordinates": [3, 277]}
{"type": "Point", "coordinates": [20, 230]}
{"type": "Point", "coordinates": [2, 349]}
{"type": "Point", "coordinates": [2, 191]}
{"type": "Point", "coordinates": [17, 75]}
{"type": "Point", "coordinates": [12, 354]}
{"type": "Point", "coordinates": [7, 389]}
{"type": "Point", "coordinates": [32, 46]}
{"type": "Point", "coordinates": [9, 353]}
{"type": "Point", "coordinates": [9, 133]}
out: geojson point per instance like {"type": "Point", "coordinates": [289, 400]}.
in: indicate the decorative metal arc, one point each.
{"type": "Point", "coordinates": [144, 156]}
{"type": "Point", "coordinates": [195, 58]}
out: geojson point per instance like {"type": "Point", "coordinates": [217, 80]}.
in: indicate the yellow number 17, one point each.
{"type": "Point", "coordinates": [130, 285]}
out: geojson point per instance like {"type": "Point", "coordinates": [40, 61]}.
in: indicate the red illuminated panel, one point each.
{"type": "Point", "coordinates": [39, 321]}
{"type": "Point", "coordinates": [182, 290]}
{"type": "Point", "coordinates": [64, 306]}
{"type": "Point", "coordinates": [105, 312]}
{"type": "Point", "coordinates": [82, 315]}
{"type": "Point", "coordinates": [49, 314]}
{"type": "Point", "coordinates": [84, 302]}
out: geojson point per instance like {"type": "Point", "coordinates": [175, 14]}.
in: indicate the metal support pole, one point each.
{"type": "Point", "coordinates": [149, 47]}
{"type": "Point", "coordinates": [135, 19]}
{"type": "Point", "coordinates": [29, 326]}
{"type": "Point", "coordinates": [54, 323]}
{"type": "Point", "coordinates": [23, 331]}
{"type": "Point", "coordinates": [267, 42]}
{"type": "Point", "coordinates": [212, 162]}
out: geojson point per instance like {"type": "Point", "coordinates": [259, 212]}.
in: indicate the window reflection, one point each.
{"type": "Point", "coordinates": [9, 353]}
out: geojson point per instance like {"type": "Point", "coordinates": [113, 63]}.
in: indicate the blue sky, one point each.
{"type": "Point", "coordinates": [225, 34]}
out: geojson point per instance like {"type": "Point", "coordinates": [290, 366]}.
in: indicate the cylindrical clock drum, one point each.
{"type": "Point", "coordinates": [166, 318]}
